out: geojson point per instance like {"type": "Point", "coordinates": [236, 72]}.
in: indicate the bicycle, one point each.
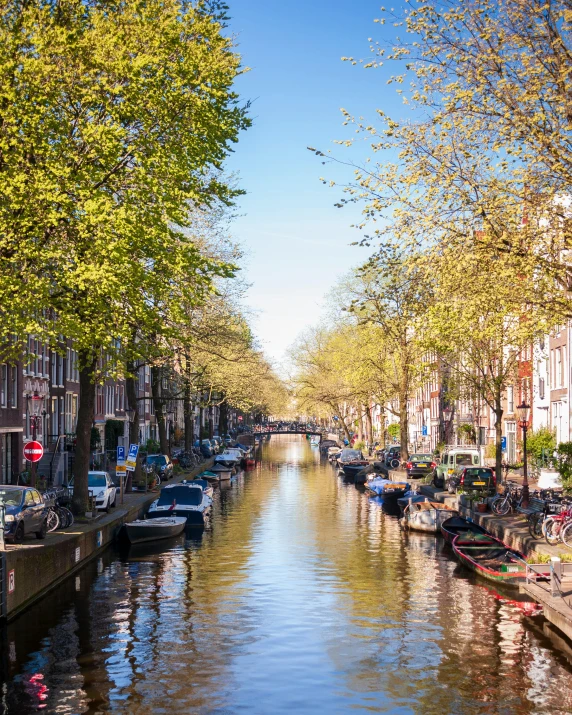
{"type": "Point", "coordinates": [507, 502]}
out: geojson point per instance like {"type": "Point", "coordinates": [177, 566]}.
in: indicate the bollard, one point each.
{"type": "Point", "coordinates": [555, 576]}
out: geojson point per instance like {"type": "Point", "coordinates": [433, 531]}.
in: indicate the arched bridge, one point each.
{"type": "Point", "coordinates": [304, 432]}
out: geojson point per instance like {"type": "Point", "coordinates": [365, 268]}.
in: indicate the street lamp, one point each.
{"type": "Point", "coordinates": [447, 416]}
{"type": "Point", "coordinates": [35, 404]}
{"type": "Point", "coordinates": [522, 413]}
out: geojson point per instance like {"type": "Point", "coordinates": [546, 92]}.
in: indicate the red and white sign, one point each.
{"type": "Point", "coordinates": [33, 451]}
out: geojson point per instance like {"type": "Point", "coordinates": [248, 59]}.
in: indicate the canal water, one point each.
{"type": "Point", "coordinates": [302, 596]}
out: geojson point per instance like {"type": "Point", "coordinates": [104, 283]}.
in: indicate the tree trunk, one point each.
{"type": "Point", "coordinates": [159, 405]}
{"type": "Point", "coordinates": [498, 437]}
{"type": "Point", "coordinates": [188, 408]}
{"type": "Point", "coordinates": [368, 425]}
{"type": "Point", "coordinates": [131, 384]}
{"type": "Point", "coordinates": [344, 425]}
{"type": "Point", "coordinates": [85, 417]}
{"type": "Point", "coordinates": [201, 426]}
{"type": "Point", "coordinates": [223, 419]}
{"type": "Point", "coordinates": [403, 427]}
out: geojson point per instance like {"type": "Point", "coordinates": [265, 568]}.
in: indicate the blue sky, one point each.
{"type": "Point", "coordinates": [296, 240]}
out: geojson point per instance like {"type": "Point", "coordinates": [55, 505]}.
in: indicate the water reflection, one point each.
{"type": "Point", "coordinates": [303, 596]}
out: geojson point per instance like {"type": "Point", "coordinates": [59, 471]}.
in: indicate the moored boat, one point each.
{"type": "Point", "coordinates": [457, 525]}
{"type": "Point", "coordinates": [387, 488]}
{"type": "Point", "coordinates": [205, 485]}
{"type": "Point", "coordinates": [351, 469]}
{"type": "Point", "coordinates": [211, 477]}
{"type": "Point", "coordinates": [426, 516]}
{"type": "Point", "coordinates": [185, 500]}
{"type": "Point", "coordinates": [224, 473]}
{"type": "Point", "coordinates": [153, 529]}
{"type": "Point", "coordinates": [402, 502]}
{"type": "Point", "coordinates": [230, 458]}
{"type": "Point", "coordinates": [488, 557]}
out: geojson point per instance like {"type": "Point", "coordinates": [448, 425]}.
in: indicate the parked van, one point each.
{"type": "Point", "coordinates": [452, 458]}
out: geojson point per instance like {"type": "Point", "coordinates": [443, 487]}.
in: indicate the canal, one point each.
{"type": "Point", "coordinates": [303, 596]}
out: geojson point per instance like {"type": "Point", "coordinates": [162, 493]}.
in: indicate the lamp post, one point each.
{"type": "Point", "coordinates": [522, 412]}
{"type": "Point", "coordinates": [171, 417]}
{"type": "Point", "coordinates": [447, 416]}
{"type": "Point", "coordinates": [35, 404]}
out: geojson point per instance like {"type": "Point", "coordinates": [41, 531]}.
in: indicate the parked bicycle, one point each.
{"type": "Point", "coordinates": [508, 502]}
{"type": "Point", "coordinates": [59, 516]}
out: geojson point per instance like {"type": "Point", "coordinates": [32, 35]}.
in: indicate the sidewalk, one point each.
{"type": "Point", "coordinates": [34, 567]}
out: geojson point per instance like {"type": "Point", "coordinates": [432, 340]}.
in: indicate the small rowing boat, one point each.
{"type": "Point", "coordinates": [457, 525]}
{"type": "Point", "coordinates": [488, 557]}
{"type": "Point", "coordinates": [153, 529]}
{"type": "Point", "coordinates": [387, 488]}
{"type": "Point", "coordinates": [426, 516]}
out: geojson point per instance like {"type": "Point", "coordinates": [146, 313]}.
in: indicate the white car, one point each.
{"type": "Point", "coordinates": [101, 486]}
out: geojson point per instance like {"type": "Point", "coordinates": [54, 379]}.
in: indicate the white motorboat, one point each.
{"type": "Point", "coordinates": [204, 484]}
{"type": "Point", "coordinates": [153, 529]}
{"type": "Point", "coordinates": [185, 499]}
{"type": "Point", "coordinates": [230, 458]}
{"type": "Point", "coordinates": [223, 473]}
{"type": "Point", "coordinates": [426, 516]}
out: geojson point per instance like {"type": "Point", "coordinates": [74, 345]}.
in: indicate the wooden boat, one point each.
{"type": "Point", "coordinates": [457, 525]}
{"type": "Point", "coordinates": [426, 516]}
{"type": "Point", "coordinates": [153, 529]}
{"type": "Point", "coordinates": [185, 500]}
{"type": "Point", "coordinates": [402, 502]}
{"type": "Point", "coordinates": [488, 557]}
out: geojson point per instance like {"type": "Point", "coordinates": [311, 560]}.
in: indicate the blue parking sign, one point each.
{"type": "Point", "coordinates": [424, 432]}
{"type": "Point", "coordinates": [120, 454]}
{"type": "Point", "coordinates": [503, 444]}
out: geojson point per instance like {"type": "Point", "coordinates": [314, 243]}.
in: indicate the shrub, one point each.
{"type": "Point", "coordinates": [152, 446]}
{"type": "Point", "coordinates": [394, 430]}
{"type": "Point", "coordinates": [359, 445]}
{"type": "Point", "coordinates": [564, 465]}
{"type": "Point", "coordinates": [539, 440]}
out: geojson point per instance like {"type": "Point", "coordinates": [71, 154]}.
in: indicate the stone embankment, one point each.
{"type": "Point", "coordinates": [32, 568]}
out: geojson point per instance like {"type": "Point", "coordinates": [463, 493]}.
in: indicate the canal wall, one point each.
{"type": "Point", "coordinates": [34, 567]}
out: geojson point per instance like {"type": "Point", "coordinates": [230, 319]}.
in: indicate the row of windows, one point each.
{"type": "Point", "coordinates": [8, 385]}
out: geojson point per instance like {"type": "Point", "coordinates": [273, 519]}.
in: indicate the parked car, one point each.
{"type": "Point", "coordinates": [472, 479]}
{"type": "Point", "coordinates": [420, 465]}
{"type": "Point", "coordinates": [163, 463]}
{"type": "Point", "coordinates": [454, 457]}
{"type": "Point", "coordinates": [101, 486]}
{"type": "Point", "coordinates": [26, 513]}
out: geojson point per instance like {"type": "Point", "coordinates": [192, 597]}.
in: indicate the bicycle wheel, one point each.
{"type": "Point", "coordinates": [53, 520]}
{"type": "Point", "coordinates": [566, 534]}
{"type": "Point", "coordinates": [158, 480]}
{"type": "Point", "coordinates": [551, 530]}
{"type": "Point", "coordinates": [535, 525]}
{"type": "Point", "coordinates": [69, 517]}
{"type": "Point", "coordinates": [500, 506]}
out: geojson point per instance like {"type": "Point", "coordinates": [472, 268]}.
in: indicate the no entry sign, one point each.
{"type": "Point", "coordinates": [33, 451]}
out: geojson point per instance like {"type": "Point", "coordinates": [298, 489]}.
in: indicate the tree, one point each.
{"type": "Point", "coordinates": [114, 123]}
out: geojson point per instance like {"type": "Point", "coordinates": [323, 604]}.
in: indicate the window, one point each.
{"type": "Point", "coordinates": [510, 399]}
{"type": "Point", "coordinates": [558, 369]}
{"type": "Point", "coordinates": [54, 416]}
{"type": "Point", "coordinates": [68, 364]}
{"type": "Point", "coordinates": [3, 385]}
{"type": "Point", "coordinates": [54, 369]}
{"type": "Point", "coordinates": [541, 388]}
{"type": "Point", "coordinates": [60, 360]}
{"type": "Point", "coordinates": [29, 498]}
{"type": "Point", "coordinates": [14, 386]}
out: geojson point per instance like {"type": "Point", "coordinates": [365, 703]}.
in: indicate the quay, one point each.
{"type": "Point", "coordinates": [32, 568]}
{"type": "Point", "coordinates": [554, 597]}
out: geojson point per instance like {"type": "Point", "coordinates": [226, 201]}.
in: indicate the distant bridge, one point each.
{"type": "Point", "coordinates": [269, 433]}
